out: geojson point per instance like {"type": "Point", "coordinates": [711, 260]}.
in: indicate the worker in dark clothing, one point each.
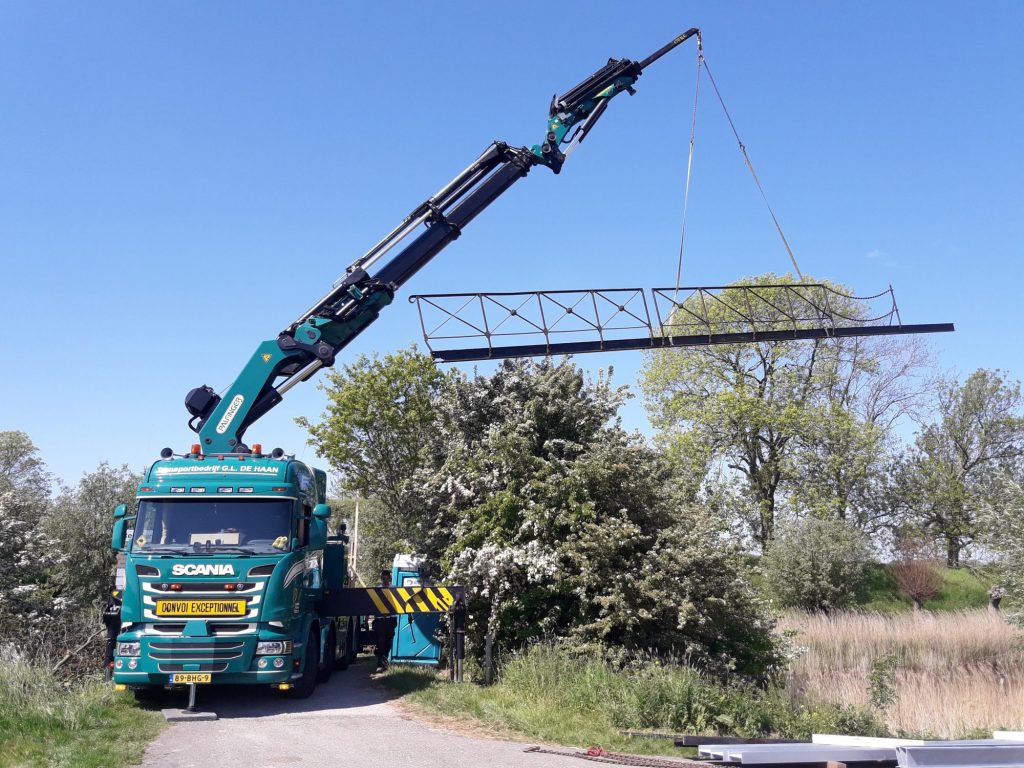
{"type": "Point", "coordinates": [112, 622]}
{"type": "Point", "coordinates": [384, 629]}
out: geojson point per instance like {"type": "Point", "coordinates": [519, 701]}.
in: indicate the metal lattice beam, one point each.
{"type": "Point", "coordinates": [542, 323]}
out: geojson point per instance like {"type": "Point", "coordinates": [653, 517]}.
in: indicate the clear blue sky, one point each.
{"type": "Point", "coordinates": [178, 181]}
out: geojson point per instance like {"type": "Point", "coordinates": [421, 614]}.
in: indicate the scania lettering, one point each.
{"type": "Point", "coordinates": [191, 569]}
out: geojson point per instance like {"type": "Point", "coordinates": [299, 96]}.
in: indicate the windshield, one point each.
{"type": "Point", "coordinates": [183, 526]}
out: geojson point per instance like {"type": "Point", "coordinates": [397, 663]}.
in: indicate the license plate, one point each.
{"type": "Point", "coordinates": [200, 608]}
{"type": "Point", "coordinates": [191, 677]}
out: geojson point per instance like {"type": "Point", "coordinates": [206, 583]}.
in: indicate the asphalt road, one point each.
{"type": "Point", "coordinates": [349, 721]}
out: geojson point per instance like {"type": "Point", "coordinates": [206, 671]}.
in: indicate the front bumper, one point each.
{"type": "Point", "coordinates": [229, 660]}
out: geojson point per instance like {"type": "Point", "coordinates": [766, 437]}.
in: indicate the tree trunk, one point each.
{"type": "Point", "coordinates": [995, 596]}
{"type": "Point", "coordinates": [953, 547]}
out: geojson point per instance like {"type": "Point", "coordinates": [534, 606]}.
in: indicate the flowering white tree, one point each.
{"type": "Point", "coordinates": [563, 525]}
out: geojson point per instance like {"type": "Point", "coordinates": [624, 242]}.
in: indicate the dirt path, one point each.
{"type": "Point", "coordinates": [349, 721]}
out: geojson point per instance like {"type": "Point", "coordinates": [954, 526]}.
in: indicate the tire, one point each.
{"type": "Point", "coordinates": [346, 659]}
{"type": "Point", "coordinates": [303, 687]}
{"type": "Point", "coordinates": [326, 667]}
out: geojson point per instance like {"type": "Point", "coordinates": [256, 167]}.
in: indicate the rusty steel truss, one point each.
{"type": "Point", "coordinates": [542, 323]}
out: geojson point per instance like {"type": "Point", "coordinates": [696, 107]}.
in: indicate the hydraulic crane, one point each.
{"type": "Point", "coordinates": [315, 338]}
{"type": "Point", "coordinates": [231, 577]}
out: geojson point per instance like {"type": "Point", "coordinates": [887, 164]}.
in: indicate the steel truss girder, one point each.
{"type": "Point", "coordinates": [543, 323]}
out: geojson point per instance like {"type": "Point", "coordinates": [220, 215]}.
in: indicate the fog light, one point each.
{"type": "Point", "coordinates": [119, 664]}
{"type": "Point", "coordinates": [262, 663]}
{"type": "Point", "coordinates": [279, 662]}
{"type": "Point", "coordinates": [133, 664]}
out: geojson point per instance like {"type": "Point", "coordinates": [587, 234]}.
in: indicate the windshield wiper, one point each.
{"type": "Point", "coordinates": [232, 547]}
{"type": "Point", "coordinates": [175, 550]}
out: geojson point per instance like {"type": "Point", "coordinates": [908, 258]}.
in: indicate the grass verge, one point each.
{"type": "Point", "coordinates": [549, 695]}
{"type": "Point", "coordinates": [45, 723]}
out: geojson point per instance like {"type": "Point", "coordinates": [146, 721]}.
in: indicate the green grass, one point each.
{"type": "Point", "coordinates": [85, 725]}
{"type": "Point", "coordinates": [548, 695]}
{"type": "Point", "coordinates": [962, 589]}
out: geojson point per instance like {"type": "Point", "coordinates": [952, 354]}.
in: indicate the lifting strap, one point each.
{"type": "Point", "coordinates": [689, 165]}
{"type": "Point", "coordinates": [753, 173]}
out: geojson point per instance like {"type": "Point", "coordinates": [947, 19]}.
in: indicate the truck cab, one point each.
{"type": "Point", "coordinates": [227, 560]}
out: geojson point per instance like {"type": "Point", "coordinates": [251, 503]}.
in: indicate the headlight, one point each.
{"type": "Point", "coordinates": [273, 647]}
{"type": "Point", "coordinates": [129, 649]}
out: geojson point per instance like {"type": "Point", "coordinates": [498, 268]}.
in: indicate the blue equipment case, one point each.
{"type": "Point", "coordinates": [414, 641]}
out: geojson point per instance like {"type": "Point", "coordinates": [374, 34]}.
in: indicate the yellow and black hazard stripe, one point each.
{"type": "Point", "coordinates": [389, 601]}
{"type": "Point", "coordinates": [411, 600]}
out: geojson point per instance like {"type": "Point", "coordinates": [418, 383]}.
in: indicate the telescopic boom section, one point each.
{"type": "Point", "coordinates": [315, 338]}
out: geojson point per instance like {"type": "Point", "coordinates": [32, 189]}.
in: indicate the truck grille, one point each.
{"type": "Point", "coordinates": [224, 628]}
{"type": "Point", "coordinates": [178, 667]}
{"type": "Point", "coordinates": [211, 656]}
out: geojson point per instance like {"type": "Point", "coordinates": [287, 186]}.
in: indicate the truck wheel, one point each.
{"type": "Point", "coordinates": [303, 687]}
{"type": "Point", "coordinates": [348, 648]}
{"type": "Point", "coordinates": [326, 667]}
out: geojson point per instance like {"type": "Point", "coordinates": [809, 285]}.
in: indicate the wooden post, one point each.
{"type": "Point", "coordinates": [488, 660]}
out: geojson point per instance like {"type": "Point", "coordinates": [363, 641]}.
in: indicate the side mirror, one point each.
{"type": "Point", "coordinates": [322, 511]}
{"type": "Point", "coordinates": [318, 533]}
{"type": "Point", "coordinates": [118, 536]}
{"type": "Point", "coordinates": [120, 511]}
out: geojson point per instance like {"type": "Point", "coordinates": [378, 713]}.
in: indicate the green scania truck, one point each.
{"type": "Point", "coordinates": [226, 573]}
{"type": "Point", "coordinates": [229, 568]}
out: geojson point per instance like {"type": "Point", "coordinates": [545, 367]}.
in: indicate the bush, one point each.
{"type": "Point", "coordinates": [818, 565]}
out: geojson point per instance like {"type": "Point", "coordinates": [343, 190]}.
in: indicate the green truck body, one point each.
{"type": "Point", "coordinates": [226, 569]}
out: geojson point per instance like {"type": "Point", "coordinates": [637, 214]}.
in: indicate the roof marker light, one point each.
{"type": "Point", "coordinates": [177, 489]}
{"type": "Point", "coordinates": [225, 489]}
{"type": "Point", "coordinates": [199, 489]}
{"type": "Point", "coordinates": [245, 490]}
{"type": "Point", "coordinates": [197, 449]}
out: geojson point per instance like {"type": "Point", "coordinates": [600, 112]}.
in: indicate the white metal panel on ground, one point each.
{"type": "Point", "coordinates": [825, 747]}
{"type": "Point", "coordinates": [793, 754]}
{"type": "Point", "coordinates": [863, 741]}
{"type": "Point", "coordinates": [962, 756]}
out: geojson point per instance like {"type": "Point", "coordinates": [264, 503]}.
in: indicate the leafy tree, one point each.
{"type": "Point", "coordinates": [377, 423]}
{"type": "Point", "coordinates": [561, 524]}
{"type": "Point", "coordinates": [944, 481]}
{"type": "Point", "coordinates": [377, 536]}
{"type": "Point", "coordinates": [24, 553]}
{"type": "Point", "coordinates": [23, 476]}
{"type": "Point", "coordinates": [376, 430]}
{"type": "Point", "coordinates": [1002, 523]}
{"type": "Point", "coordinates": [798, 422]}
{"type": "Point", "coordinates": [817, 565]}
{"type": "Point", "coordinates": [79, 523]}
